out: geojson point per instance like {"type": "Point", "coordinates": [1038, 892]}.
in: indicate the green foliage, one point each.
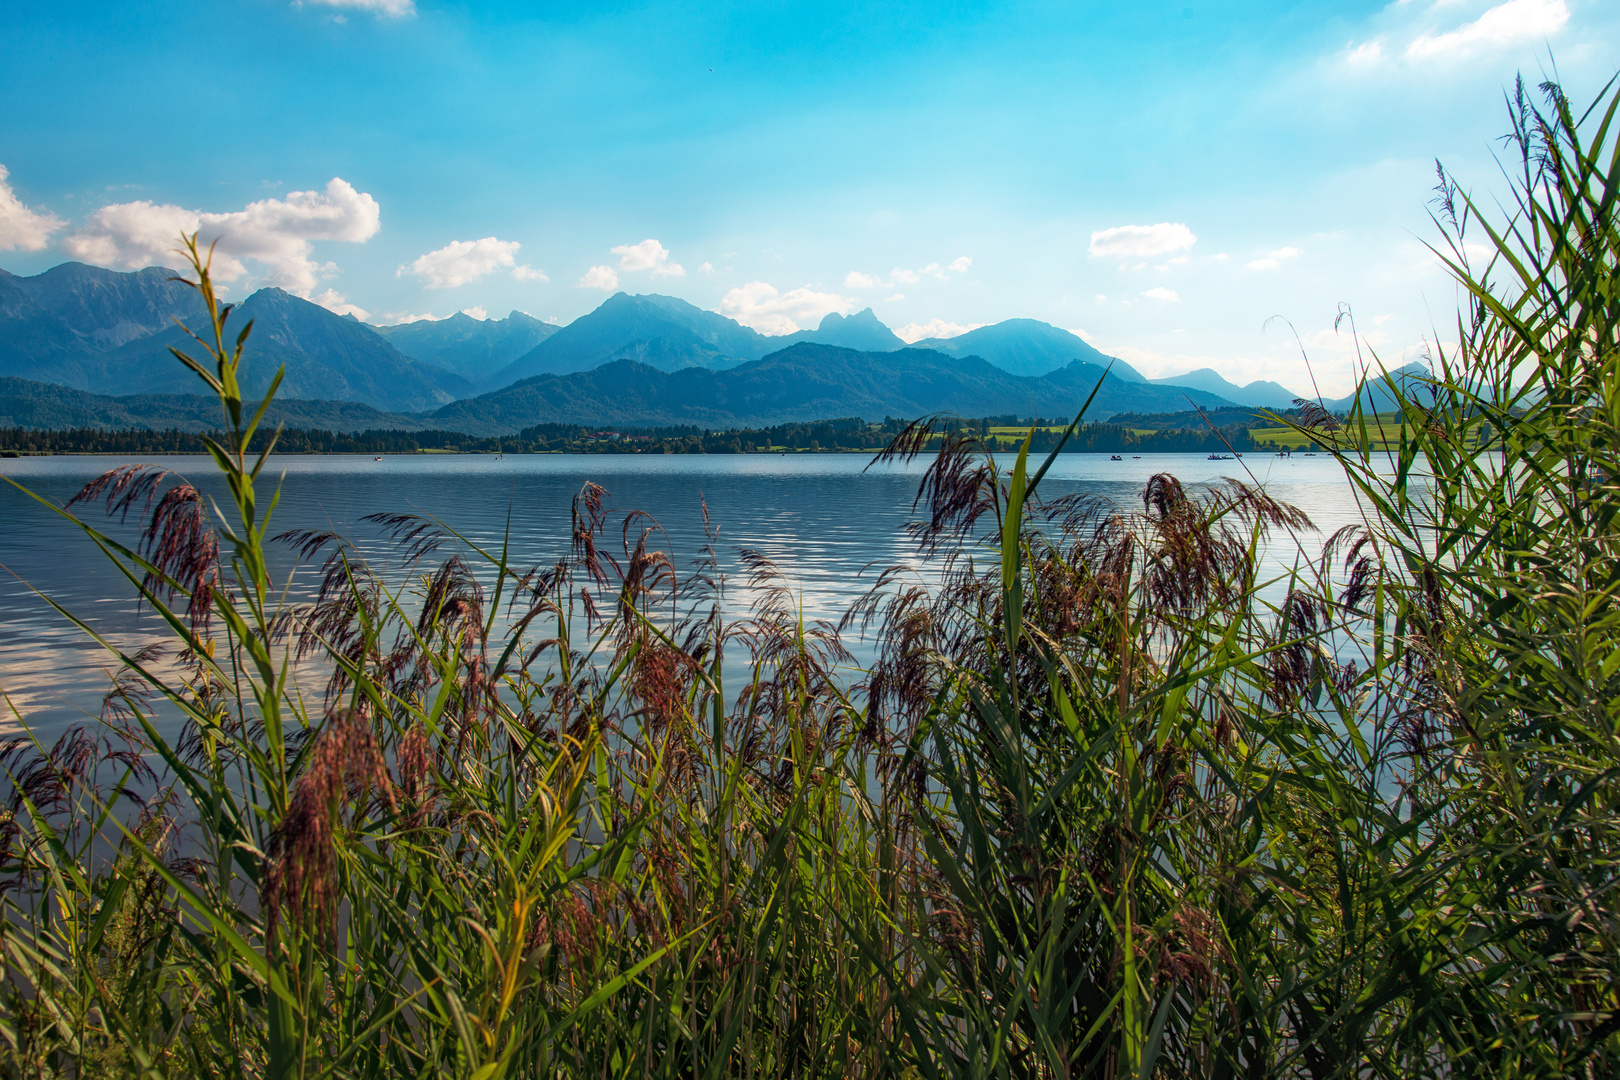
{"type": "Point", "coordinates": [1098, 808]}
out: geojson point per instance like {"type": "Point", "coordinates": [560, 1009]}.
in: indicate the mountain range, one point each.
{"type": "Point", "coordinates": [807, 381]}
{"type": "Point", "coordinates": [108, 334]}
{"type": "Point", "coordinates": [473, 348]}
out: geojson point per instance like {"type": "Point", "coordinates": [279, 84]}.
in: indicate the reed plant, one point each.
{"type": "Point", "coordinates": [1112, 800]}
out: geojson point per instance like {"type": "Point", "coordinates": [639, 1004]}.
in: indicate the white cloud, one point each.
{"type": "Point", "coordinates": [1504, 24]}
{"type": "Point", "coordinates": [648, 255]}
{"type": "Point", "coordinates": [338, 304]}
{"type": "Point", "coordinates": [600, 277]}
{"type": "Point", "coordinates": [896, 298]}
{"type": "Point", "coordinates": [760, 306]}
{"type": "Point", "coordinates": [277, 233]}
{"type": "Point", "coordinates": [462, 261]}
{"type": "Point", "coordinates": [1163, 295]}
{"type": "Point", "coordinates": [476, 311]}
{"type": "Point", "coordinates": [400, 318]}
{"type": "Point", "coordinates": [933, 328]}
{"type": "Point", "coordinates": [391, 9]}
{"type": "Point", "coordinates": [22, 229]}
{"type": "Point", "coordinates": [857, 279]}
{"type": "Point", "coordinates": [706, 268]}
{"type": "Point", "coordinates": [1273, 259]}
{"type": "Point", "coordinates": [1142, 241]}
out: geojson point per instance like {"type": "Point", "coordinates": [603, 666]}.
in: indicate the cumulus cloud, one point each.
{"type": "Point", "coordinates": [933, 328]}
{"type": "Point", "coordinates": [600, 277]}
{"type": "Point", "coordinates": [760, 306]}
{"type": "Point", "coordinates": [338, 304]}
{"type": "Point", "coordinates": [279, 234]}
{"type": "Point", "coordinates": [388, 9]}
{"type": "Point", "coordinates": [1142, 241]}
{"type": "Point", "coordinates": [900, 275]}
{"type": "Point", "coordinates": [400, 318]}
{"type": "Point", "coordinates": [648, 255]}
{"type": "Point", "coordinates": [1273, 259]}
{"type": "Point", "coordinates": [1505, 24]}
{"type": "Point", "coordinates": [1163, 295]}
{"type": "Point", "coordinates": [23, 229]}
{"type": "Point", "coordinates": [463, 261]}
{"type": "Point", "coordinates": [706, 268]}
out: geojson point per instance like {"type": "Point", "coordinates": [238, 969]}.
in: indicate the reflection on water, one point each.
{"type": "Point", "coordinates": [819, 517]}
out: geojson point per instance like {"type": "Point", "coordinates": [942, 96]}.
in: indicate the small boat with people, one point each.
{"type": "Point", "coordinates": [1115, 457]}
{"type": "Point", "coordinates": [1220, 457]}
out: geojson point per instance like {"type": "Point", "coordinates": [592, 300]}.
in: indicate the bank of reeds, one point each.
{"type": "Point", "coordinates": [1097, 809]}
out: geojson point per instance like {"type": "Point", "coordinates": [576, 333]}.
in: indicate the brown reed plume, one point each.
{"type": "Point", "coordinates": [177, 539]}
{"type": "Point", "coordinates": [340, 771]}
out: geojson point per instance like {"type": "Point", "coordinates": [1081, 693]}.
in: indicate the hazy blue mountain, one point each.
{"type": "Point", "coordinates": [862, 330]}
{"type": "Point", "coordinates": [36, 343]}
{"type": "Point", "coordinates": [1026, 347]}
{"type": "Point", "coordinates": [473, 348]}
{"type": "Point", "coordinates": [28, 404]}
{"type": "Point", "coordinates": [1375, 397]}
{"type": "Point", "coordinates": [1261, 393]}
{"type": "Point", "coordinates": [103, 330]}
{"type": "Point", "coordinates": [326, 357]}
{"type": "Point", "coordinates": [804, 382]}
{"type": "Point", "coordinates": [107, 307]}
{"type": "Point", "coordinates": [658, 331]}
{"type": "Point", "coordinates": [54, 326]}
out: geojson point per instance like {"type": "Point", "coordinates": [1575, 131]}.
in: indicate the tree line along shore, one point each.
{"type": "Point", "coordinates": [1137, 434]}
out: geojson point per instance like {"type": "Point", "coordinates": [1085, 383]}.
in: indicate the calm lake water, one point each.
{"type": "Point", "coordinates": [820, 517]}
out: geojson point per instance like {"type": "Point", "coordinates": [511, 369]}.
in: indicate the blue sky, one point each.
{"type": "Point", "coordinates": [1163, 178]}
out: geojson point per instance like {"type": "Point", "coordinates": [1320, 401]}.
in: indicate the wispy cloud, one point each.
{"type": "Point", "coordinates": [1163, 295]}
{"type": "Point", "coordinates": [400, 318]}
{"type": "Point", "coordinates": [858, 279]}
{"type": "Point", "coordinates": [462, 261]}
{"type": "Point", "coordinates": [1515, 22]}
{"type": "Point", "coordinates": [21, 228]}
{"type": "Point", "coordinates": [933, 328]}
{"type": "Point", "coordinates": [1271, 260]}
{"type": "Point", "coordinates": [759, 305]}
{"type": "Point", "coordinates": [1142, 241]}
{"type": "Point", "coordinates": [277, 233]}
{"type": "Point", "coordinates": [1505, 24]}
{"type": "Point", "coordinates": [336, 302]}
{"type": "Point", "coordinates": [388, 9]}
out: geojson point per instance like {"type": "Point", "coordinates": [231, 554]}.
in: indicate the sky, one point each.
{"type": "Point", "coordinates": [1185, 185]}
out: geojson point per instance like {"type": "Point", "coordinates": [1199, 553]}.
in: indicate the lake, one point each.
{"type": "Point", "coordinates": [825, 519]}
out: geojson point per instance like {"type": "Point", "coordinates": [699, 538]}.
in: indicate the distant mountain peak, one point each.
{"type": "Point", "coordinates": [865, 317]}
